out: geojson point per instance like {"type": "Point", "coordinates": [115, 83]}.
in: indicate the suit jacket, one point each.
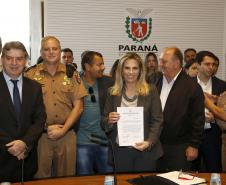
{"type": "Point", "coordinates": [32, 122]}
{"type": "Point", "coordinates": [218, 86]}
{"type": "Point", "coordinates": [153, 119]}
{"type": "Point", "coordinates": [103, 84]}
{"type": "Point", "coordinates": [183, 114]}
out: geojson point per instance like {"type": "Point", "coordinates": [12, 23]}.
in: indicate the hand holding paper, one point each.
{"type": "Point", "coordinates": [142, 145]}
{"type": "Point", "coordinates": [113, 117]}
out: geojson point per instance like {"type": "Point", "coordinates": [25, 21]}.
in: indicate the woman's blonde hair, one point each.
{"type": "Point", "coordinates": [142, 86]}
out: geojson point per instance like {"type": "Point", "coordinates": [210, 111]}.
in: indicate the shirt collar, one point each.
{"type": "Point", "coordinates": [8, 78]}
{"type": "Point", "coordinates": [174, 79]}
{"type": "Point", "coordinates": [61, 67]}
{"type": "Point", "coordinates": [201, 82]}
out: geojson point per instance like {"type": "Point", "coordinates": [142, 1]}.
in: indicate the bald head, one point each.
{"type": "Point", "coordinates": [171, 61]}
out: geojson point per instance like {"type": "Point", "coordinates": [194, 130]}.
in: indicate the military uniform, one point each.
{"type": "Point", "coordinates": [59, 93]}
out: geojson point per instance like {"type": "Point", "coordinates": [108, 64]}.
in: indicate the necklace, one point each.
{"type": "Point", "coordinates": [129, 99]}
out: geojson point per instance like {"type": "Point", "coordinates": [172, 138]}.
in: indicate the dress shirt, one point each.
{"type": "Point", "coordinates": [206, 87]}
{"type": "Point", "coordinates": [166, 87]}
{"type": "Point", "coordinates": [10, 85]}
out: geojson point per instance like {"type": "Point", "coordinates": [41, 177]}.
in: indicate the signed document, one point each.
{"type": "Point", "coordinates": [130, 125]}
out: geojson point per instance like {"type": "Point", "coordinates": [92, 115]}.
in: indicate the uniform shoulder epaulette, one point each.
{"type": "Point", "coordinates": [29, 68]}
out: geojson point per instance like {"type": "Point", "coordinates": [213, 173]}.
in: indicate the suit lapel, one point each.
{"type": "Point", "coordinates": [141, 101]}
{"type": "Point", "coordinates": [25, 95]}
{"type": "Point", "coordinates": [117, 102]}
{"type": "Point", "coordinates": [215, 86]}
{"type": "Point", "coordinates": [5, 95]}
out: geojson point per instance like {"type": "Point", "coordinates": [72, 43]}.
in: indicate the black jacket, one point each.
{"type": "Point", "coordinates": [183, 114]}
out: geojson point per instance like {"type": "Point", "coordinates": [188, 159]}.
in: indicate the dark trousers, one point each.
{"type": "Point", "coordinates": [174, 158]}
{"type": "Point", "coordinates": [209, 159]}
{"type": "Point", "coordinates": [11, 167]}
{"type": "Point", "coordinates": [128, 159]}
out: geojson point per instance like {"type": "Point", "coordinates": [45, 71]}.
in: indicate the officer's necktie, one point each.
{"type": "Point", "coordinates": [16, 99]}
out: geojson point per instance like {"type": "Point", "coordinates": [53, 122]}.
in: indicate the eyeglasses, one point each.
{"type": "Point", "coordinates": [92, 96]}
{"type": "Point", "coordinates": [185, 176]}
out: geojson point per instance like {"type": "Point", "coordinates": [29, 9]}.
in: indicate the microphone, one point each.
{"type": "Point", "coordinates": [22, 172]}
{"type": "Point", "coordinates": [70, 69]}
{"type": "Point", "coordinates": [22, 165]}
{"type": "Point", "coordinates": [114, 163]}
{"type": "Point", "coordinates": [113, 155]}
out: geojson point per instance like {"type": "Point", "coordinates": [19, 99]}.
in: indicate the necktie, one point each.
{"type": "Point", "coordinates": [16, 98]}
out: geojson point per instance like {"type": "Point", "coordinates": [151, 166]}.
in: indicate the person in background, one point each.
{"type": "Point", "coordinates": [191, 68]}
{"type": "Point", "coordinates": [68, 57]}
{"type": "Point", "coordinates": [92, 142]}
{"type": "Point", "coordinates": [220, 114]}
{"type": "Point", "coordinates": [39, 60]}
{"type": "Point", "coordinates": [63, 98]}
{"type": "Point", "coordinates": [216, 66]}
{"type": "Point", "coordinates": [22, 115]}
{"type": "Point", "coordinates": [151, 64]}
{"type": "Point", "coordinates": [183, 113]}
{"type": "Point", "coordinates": [217, 111]}
{"type": "Point", "coordinates": [189, 54]}
{"type": "Point", "coordinates": [210, 150]}
{"type": "Point", "coordinates": [131, 90]}
{"type": "Point", "coordinates": [114, 68]}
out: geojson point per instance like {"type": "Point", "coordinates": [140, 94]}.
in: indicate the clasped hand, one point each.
{"type": "Point", "coordinates": [17, 148]}
{"type": "Point", "coordinates": [55, 131]}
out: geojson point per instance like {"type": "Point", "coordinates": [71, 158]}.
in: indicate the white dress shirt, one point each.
{"type": "Point", "coordinates": [206, 87]}
{"type": "Point", "coordinates": [10, 85]}
{"type": "Point", "coordinates": [166, 87]}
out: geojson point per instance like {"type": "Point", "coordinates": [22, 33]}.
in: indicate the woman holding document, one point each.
{"type": "Point", "coordinates": [133, 118]}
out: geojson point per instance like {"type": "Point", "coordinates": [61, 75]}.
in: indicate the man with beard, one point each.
{"type": "Point", "coordinates": [92, 150]}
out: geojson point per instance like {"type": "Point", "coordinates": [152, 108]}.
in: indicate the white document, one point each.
{"type": "Point", "coordinates": [130, 125]}
{"type": "Point", "coordinates": [185, 179]}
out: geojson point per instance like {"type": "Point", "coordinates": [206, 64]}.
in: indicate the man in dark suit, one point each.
{"type": "Point", "coordinates": [210, 150]}
{"type": "Point", "coordinates": [183, 103]}
{"type": "Point", "coordinates": [22, 116]}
